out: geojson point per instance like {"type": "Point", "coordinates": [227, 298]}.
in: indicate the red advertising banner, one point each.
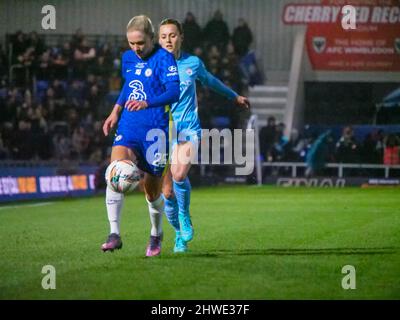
{"type": "Point", "coordinates": [374, 44]}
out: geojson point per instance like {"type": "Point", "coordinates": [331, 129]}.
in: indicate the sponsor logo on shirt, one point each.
{"type": "Point", "coordinates": [138, 72]}
{"type": "Point", "coordinates": [137, 91]}
{"type": "Point", "coordinates": [173, 71]}
{"type": "Point", "coordinates": [184, 84]}
{"type": "Point", "coordinates": [140, 65]}
{"type": "Point", "coordinates": [118, 138]}
{"type": "Point", "coordinates": [172, 68]}
{"type": "Point", "coordinates": [148, 72]}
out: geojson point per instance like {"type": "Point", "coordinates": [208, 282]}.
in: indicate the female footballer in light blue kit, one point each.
{"type": "Point", "coordinates": [151, 85]}
{"type": "Point", "coordinates": [176, 185]}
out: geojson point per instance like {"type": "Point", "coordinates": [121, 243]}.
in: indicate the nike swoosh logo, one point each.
{"type": "Point", "coordinates": [128, 70]}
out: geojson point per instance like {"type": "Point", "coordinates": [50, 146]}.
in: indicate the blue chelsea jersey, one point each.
{"type": "Point", "coordinates": [144, 80]}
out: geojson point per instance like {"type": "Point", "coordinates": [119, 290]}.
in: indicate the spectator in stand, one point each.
{"type": "Point", "coordinates": [76, 94]}
{"type": "Point", "coordinates": [94, 96]}
{"type": "Point", "coordinates": [8, 136]}
{"type": "Point", "coordinates": [242, 37]}
{"type": "Point", "coordinates": [4, 152]}
{"type": "Point", "coordinates": [62, 146]}
{"type": "Point", "coordinates": [93, 100]}
{"type": "Point", "coordinates": [96, 138]}
{"type": "Point", "coordinates": [43, 68]}
{"type": "Point", "coordinates": [36, 43]}
{"type": "Point", "coordinates": [96, 157]}
{"type": "Point", "coordinates": [13, 101]}
{"type": "Point", "coordinates": [22, 56]}
{"type": "Point", "coordinates": [368, 151]}
{"type": "Point", "coordinates": [230, 69]}
{"type": "Point", "coordinates": [391, 154]}
{"type": "Point", "coordinates": [251, 71]}
{"type": "Point", "coordinates": [59, 91]}
{"type": "Point", "coordinates": [346, 147]}
{"type": "Point", "coordinates": [27, 59]}
{"type": "Point", "coordinates": [3, 62]}
{"type": "Point", "coordinates": [73, 119]}
{"type": "Point", "coordinates": [380, 144]}
{"type": "Point", "coordinates": [104, 61]}
{"type": "Point", "coordinates": [192, 32]}
{"type": "Point", "coordinates": [213, 53]}
{"type": "Point", "coordinates": [280, 143]}
{"type": "Point", "coordinates": [40, 137]}
{"type": "Point", "coordinates": [48, 103]}
{"type": "Point", "coordinates": [84, 56]}
{"type": "Point", "coordinates": [294, 147]}
{"type": "Point", "coordinates": [77, 38]}
{"type": "Point", "coordinates": [216, 32]}
{"type": "Point", "coordinates": [318, 154]}
{"type": "Point", "coordinates": [198, 51]}
{"type": "Point", "coordinates": [61, 62]}
{"type": "Point", "coordinates": [19, 45]}
{"type": "Point", "coordinates": [23, 143]}
{"type": "Point", "coordinates": [80, 142]}
{"type": "Point", "coordinates": [267, 139]}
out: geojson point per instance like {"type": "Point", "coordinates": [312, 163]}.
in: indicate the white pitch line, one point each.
{"type": "Point", "coordinates": [26, 205]}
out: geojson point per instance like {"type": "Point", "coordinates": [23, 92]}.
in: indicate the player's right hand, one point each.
{"type": "Point", "coordinates": [242, 102]}
{"type": "Point", "coordinates": [110, 123]}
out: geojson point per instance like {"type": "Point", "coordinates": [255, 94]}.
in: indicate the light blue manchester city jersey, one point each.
{"type": "Point", "coordinates": [184, 112]}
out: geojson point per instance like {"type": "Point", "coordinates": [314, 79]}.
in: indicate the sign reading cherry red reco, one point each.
{"type": "Point", "coordinates": [373, 46]}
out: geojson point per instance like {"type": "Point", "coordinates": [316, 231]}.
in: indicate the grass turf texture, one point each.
{"type": "Point", "coordinates": [250, 243]}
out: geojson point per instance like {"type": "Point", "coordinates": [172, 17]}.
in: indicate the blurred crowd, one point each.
{"type": "Point", "coordinates": [317, 148]}
{"type": "Point", "coordinates": [54, 98]}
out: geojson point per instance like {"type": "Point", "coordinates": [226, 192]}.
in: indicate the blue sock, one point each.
{"type": "Point", "coordinates": [182, 193]}
{"type": "Point", "coordinates": [171, 211]}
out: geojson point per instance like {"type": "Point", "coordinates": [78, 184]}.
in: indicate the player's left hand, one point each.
{"type": "Point", "coordinates": [242, 102]}
{"type": "Point", "coordinates": [134, 105]}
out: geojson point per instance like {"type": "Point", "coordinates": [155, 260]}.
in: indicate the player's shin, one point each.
{"type": "Point", "coordinates": [171, 212]}
{"type": "Point", "coordinates": [156, 210]}
{"type": "Point", "coordinates": [114, 203]}
{"type": "Point", "coordinates": [182, 192]}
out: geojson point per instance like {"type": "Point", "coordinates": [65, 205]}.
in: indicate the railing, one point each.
{"type": "Point", "coordinates": [294, 166]}
{"type": "Point", "coordinates": [339, 166]}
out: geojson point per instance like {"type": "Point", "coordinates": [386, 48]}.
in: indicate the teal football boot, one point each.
{"type": "Point", "coordinates": [186, 227]}
{"type": "Point", "coordinates": [180, 244]}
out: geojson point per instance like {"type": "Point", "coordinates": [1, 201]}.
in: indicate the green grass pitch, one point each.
{"type": "Point", "coordinates": [250, 243]}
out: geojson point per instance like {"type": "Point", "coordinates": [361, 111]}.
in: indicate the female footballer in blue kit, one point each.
{"type": "Point", "coordinates": [176, 185]}
{"type": "Point", "coordinates": [151, 84]}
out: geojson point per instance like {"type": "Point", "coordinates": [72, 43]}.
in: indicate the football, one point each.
{"type": "Point", "coordinates": [122, 176]}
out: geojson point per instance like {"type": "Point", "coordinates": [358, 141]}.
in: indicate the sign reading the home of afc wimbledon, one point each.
{"type": "Point", "coordinates": [374, 44]}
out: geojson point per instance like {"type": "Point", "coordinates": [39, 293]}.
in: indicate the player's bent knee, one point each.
{"type": "Point", "coordinates": [152, 196]}
{"type": "Point", "coordinates": [168, 192]}
{"type": "Point", "coordinates": [122, 153]}
{"type": "Point", "coordinates": [179, 177]}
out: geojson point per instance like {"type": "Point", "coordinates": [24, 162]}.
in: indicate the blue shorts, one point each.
{"type": "Point", "coordinates": [150, 145]}
{"type": "Point", "coordinates": [186, 131]}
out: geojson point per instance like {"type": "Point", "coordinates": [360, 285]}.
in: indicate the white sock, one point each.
{"type": "Point", "coordinates": [156, 210]}
{"type": "Point", "coordinates": [114, 202]}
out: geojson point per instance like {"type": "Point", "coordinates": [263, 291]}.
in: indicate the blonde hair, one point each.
{"type": "Point", "coordinates": [141, 23]}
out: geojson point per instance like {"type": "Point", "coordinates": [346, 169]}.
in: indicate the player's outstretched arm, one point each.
{"type": "Point", "coordinates": [209, 80]}
{"type": "Point", "coordinates": [111, 120]}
